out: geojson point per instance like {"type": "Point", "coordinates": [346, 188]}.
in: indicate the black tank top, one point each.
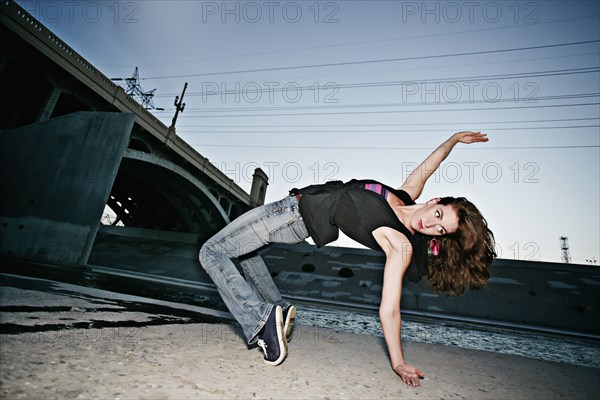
{"type": "Point", "coordinates": [357, 208]}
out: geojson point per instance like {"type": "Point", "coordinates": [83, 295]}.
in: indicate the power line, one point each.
{"type": "Point", "coordinates": [368, 105]}
{"type": "Point", "coordinates": [294, 50]}
{"type": "Point", "coordinates": [338, 64]}
{"type": "Point", "coordinates": [472, 64]}
{"type": "Point", "coordinates": [537, 74]}
{"type": "Point", "coordinates": [403, 124]}
{"type": "Point", "coordinates": [391, 148]}
{"type": "Point", "coordinates": [392, 111]}
{"type": "Point", "coordinates": [211, 132]}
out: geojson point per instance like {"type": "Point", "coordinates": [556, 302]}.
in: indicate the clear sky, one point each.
{"type": "Point", "coordinates": [318, 90]}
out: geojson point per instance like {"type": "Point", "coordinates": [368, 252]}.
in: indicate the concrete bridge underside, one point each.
{"type": "Point", "coordinates": [59, 175]}
{"type": "Point", "coordinates": [160, 183]}
{"type": "Point", "coordinates": [153, 193]}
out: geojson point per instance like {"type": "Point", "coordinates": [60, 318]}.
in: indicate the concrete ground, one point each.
{"type": "Point", "coordinates": [63, 341]}
{"type": "Point", "coordinates": [210, 361]}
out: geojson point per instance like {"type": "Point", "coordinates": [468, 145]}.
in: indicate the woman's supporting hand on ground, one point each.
{"type": "Point", "coordinates": [409, 374]}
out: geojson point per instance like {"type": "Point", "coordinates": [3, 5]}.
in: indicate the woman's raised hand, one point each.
{"type": "Point", "coordinates": [471, 137]}
{"type": "Point", "coordinates": [414, 183]}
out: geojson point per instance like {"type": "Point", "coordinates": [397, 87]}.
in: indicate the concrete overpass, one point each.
{"type": "Point", "coordinates": [53, 99]}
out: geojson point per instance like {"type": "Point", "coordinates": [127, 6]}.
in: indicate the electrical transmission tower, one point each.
{"type": "Point", "coordinates": [564, 247]}
{"type": "Point", "coordinates": [134, 89]}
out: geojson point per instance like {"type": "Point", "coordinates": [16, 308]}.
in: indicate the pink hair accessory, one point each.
{"type": "Point", "coordinates": [434, 246]}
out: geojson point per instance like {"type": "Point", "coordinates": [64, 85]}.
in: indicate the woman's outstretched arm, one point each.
{"type": "Point", "coordinates": [398, 251]}
{"type": "Point", "coordinates": [416, 180]}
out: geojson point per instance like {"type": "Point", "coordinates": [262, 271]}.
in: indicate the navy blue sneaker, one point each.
{"type": "Point", "coordinates": [272, 341]}
{"type": "Point", "coordinates": [289, 315]}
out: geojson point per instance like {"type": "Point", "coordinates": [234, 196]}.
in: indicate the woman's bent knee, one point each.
{"type": "Point", "coordinates": [207, 252]}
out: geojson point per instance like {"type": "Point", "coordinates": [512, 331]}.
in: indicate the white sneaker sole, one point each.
{"type": "Point", "coordinates": [289, 323]}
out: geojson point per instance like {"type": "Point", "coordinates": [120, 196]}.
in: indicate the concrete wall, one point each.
{"type": "Point", "coordinates": [536, 294]}
{"type": "Point", "coordinates": [55, 179]}
{"type": "Point", "coordinates": [552, 295]}
{"type": "Point", "coordinates": [148, 251]}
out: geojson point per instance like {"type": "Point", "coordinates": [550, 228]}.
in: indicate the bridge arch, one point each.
{"type": "Point", "coordinates": [150, 192]}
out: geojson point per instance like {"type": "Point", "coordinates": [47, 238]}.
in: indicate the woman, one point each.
{"type": "Point", "coordinates": [452, 230]}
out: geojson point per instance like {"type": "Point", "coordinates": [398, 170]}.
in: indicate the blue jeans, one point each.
{"type": "Point", "coordinates": [250, 298]}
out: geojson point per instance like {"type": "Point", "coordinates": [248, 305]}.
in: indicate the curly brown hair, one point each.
{"type": "Point", "coordinates": [466, 255]}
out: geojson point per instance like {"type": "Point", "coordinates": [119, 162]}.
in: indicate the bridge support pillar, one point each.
{"type": "Point", "coordinates": [55, 179]}
{"type": "Point", "coordinates": [258, 191]}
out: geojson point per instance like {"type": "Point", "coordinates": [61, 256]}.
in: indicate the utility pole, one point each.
{"type": "Point", "coordinates": [179, 107]}
{"type": "Point", "coordinates": [564, 247]}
